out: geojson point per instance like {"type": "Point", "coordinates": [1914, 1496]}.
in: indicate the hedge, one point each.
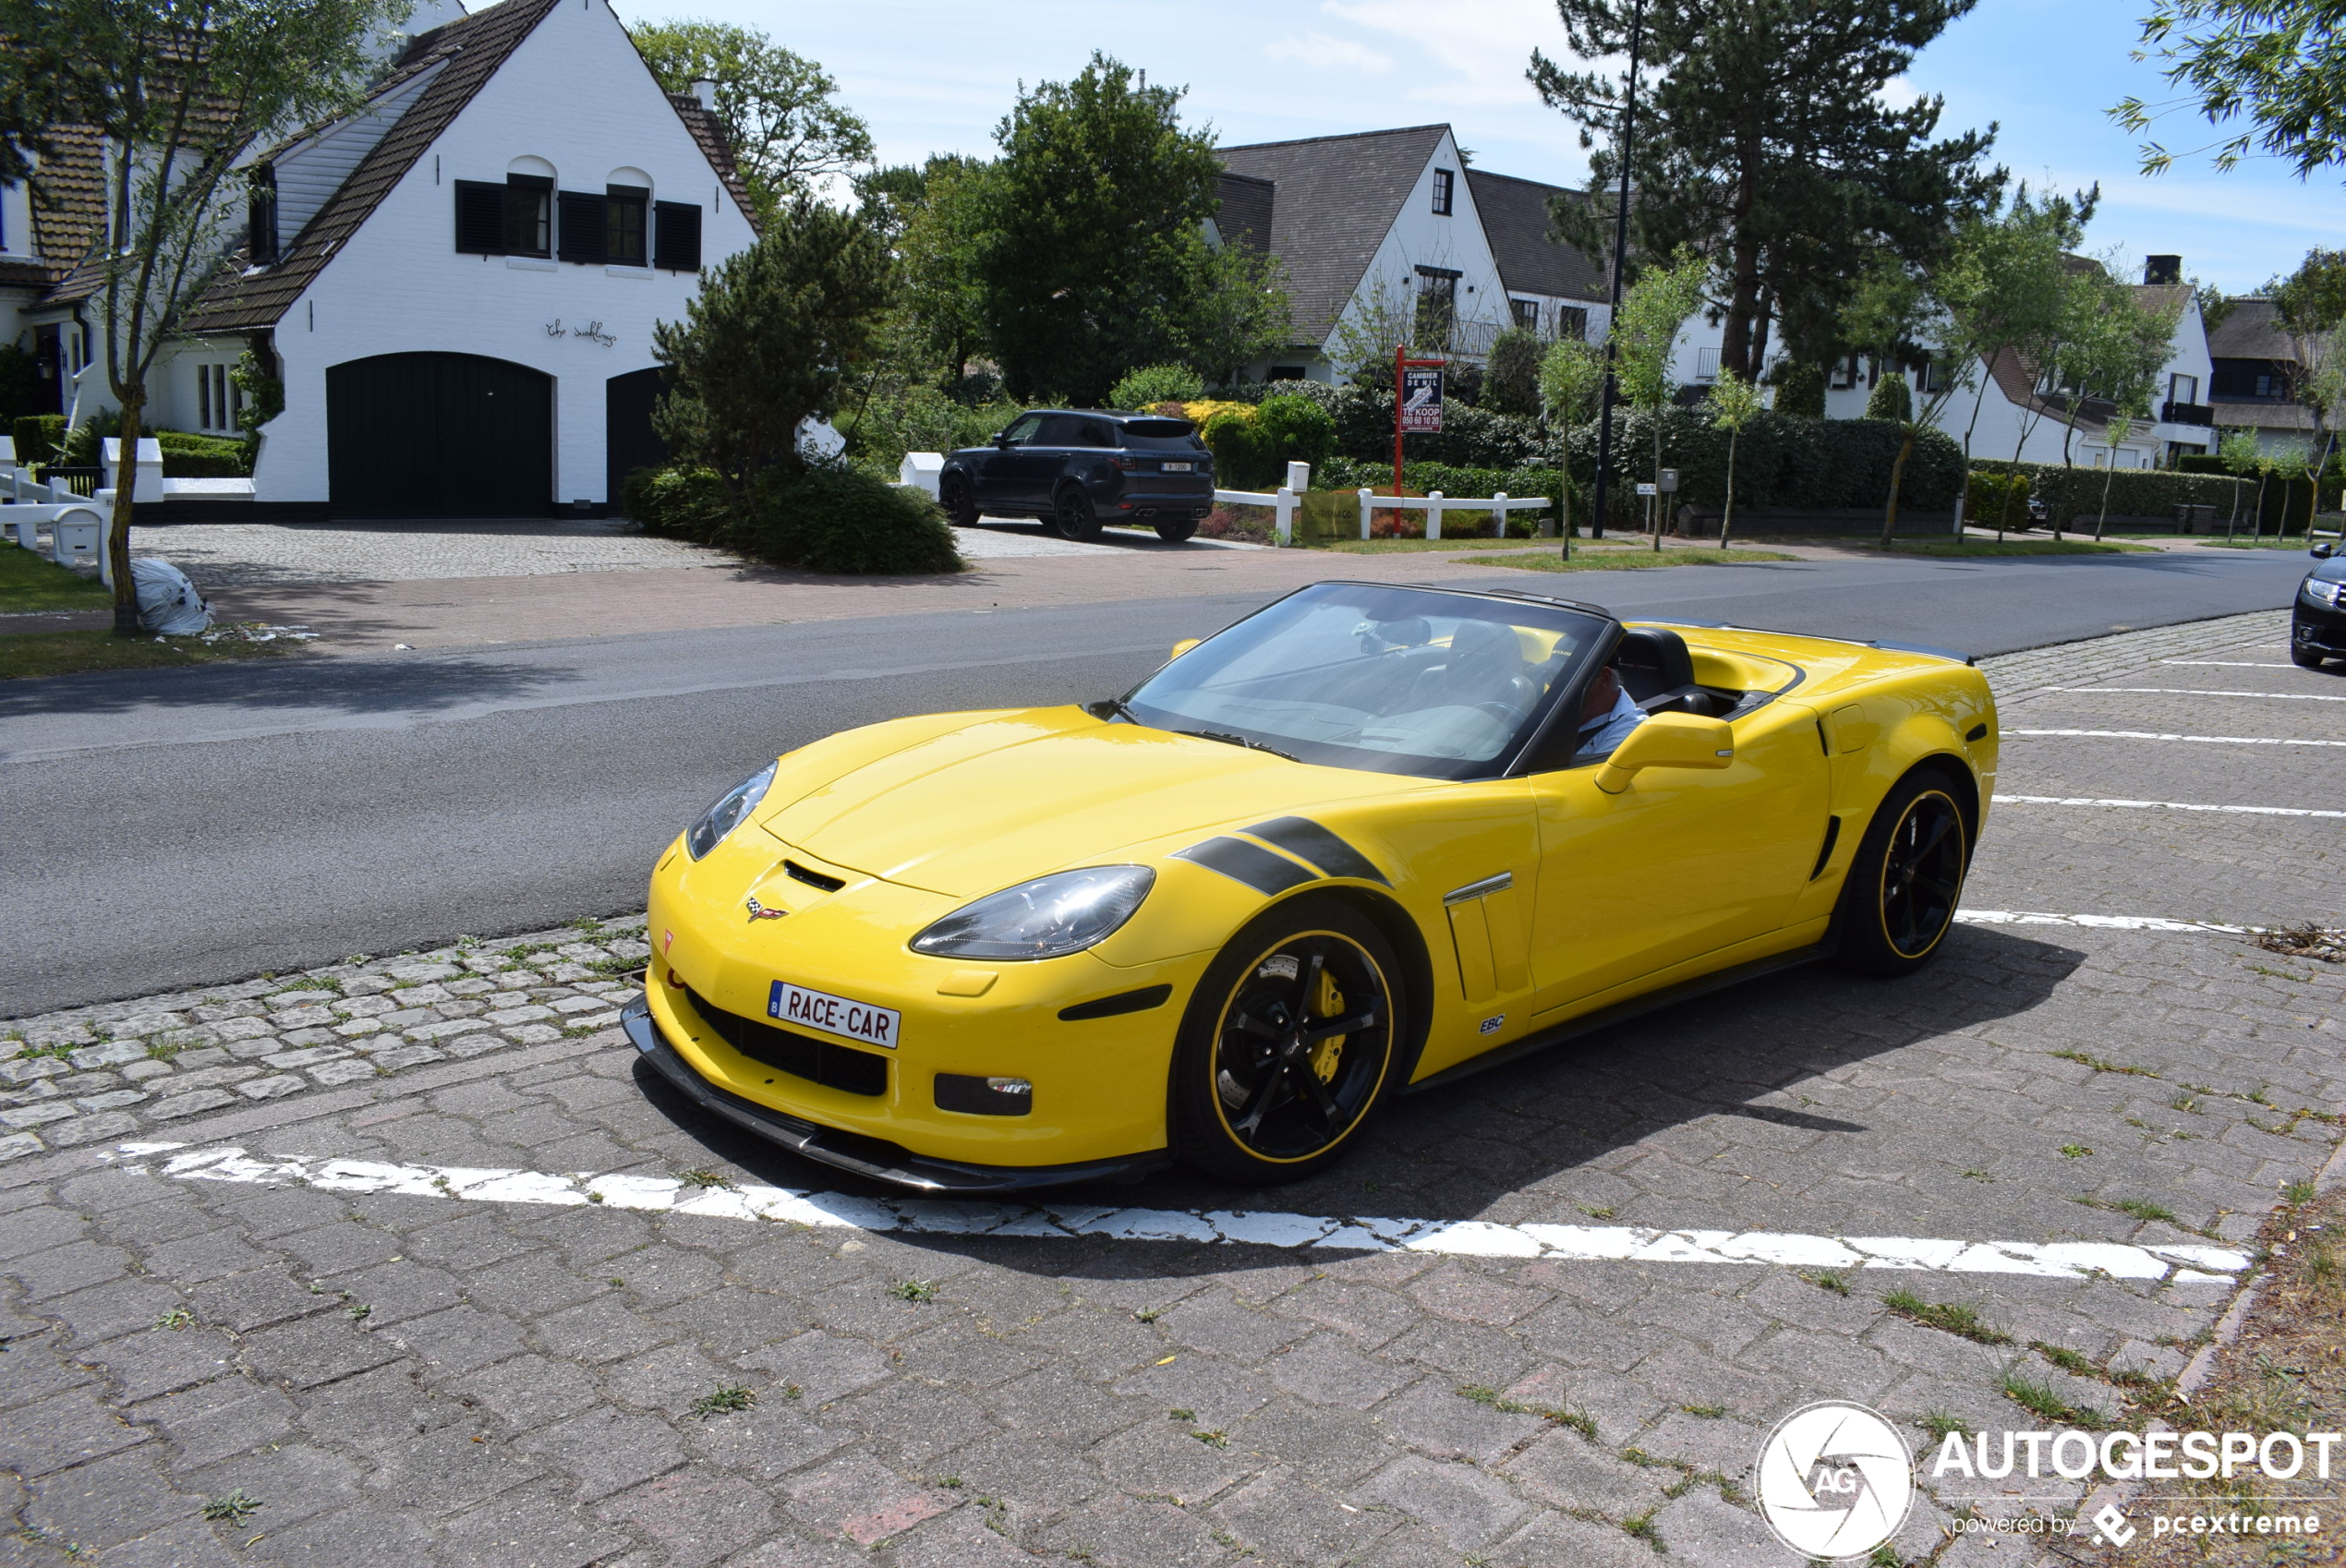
{"type": "Point", "coordinates": [1782, 461]}
{"type": "Point", "coordinates": [2072, 494]}
{"type": "Point", "coordinates": [38, 436]}
{"type": "Point", "coordinates": [829, 518]}
{"type": "Point", "coordinates": [186, 456]}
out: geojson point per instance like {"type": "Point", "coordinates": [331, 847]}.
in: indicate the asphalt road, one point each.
{"type": "Point", "coordinates": [203, 826]}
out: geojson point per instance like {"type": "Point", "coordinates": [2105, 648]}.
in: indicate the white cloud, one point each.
{"type": "Point", "coordinates": [1318, 48]}
{"type": "Point", "coordinates": [1899, 93]}
{"type": "Point", "coordinates": [1485, 44]}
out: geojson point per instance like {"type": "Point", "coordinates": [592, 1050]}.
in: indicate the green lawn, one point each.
{"type": "Point", "coordinates": [1623, 560]}
{"type": "Point", "coordinates": [30, 654]}
{"type": "Point", "coordinates": [29, 584]}
{"type": "Point", "coordinates": [1969, 548]}
{"type": "Point", "coordinates": [1410, 546]}
{"type": "Point", "coordinates": [2296, 542]}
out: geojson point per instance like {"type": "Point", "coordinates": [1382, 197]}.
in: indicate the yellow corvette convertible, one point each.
{"type": "Point", "coordinates": [1368, 839]}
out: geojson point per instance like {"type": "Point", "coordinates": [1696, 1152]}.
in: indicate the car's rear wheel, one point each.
{"type": "Point", "coordinates": [1175, 531]}
{"type": "Point", "coordinates": [1289, 1043]}
{"type": "Point", "coordinates": [1899, 901]}
{"type": "Point", "coordinates": [959, 500]}
{"type": "Point", "coordinates": [1075, 515]}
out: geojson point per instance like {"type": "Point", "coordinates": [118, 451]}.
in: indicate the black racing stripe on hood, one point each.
{"type": "Point", "coordinates": [1308, 841]}
{"type": "Point", "coordinates": [1250, 864]}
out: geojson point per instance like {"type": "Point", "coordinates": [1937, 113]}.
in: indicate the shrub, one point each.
{"type": "Point", "coordinates": [1984, 500]}
{"type": "Point", "coordinates": [832, 518]}
{"type": "Point", "coordinates": [187, 456]}
{"type": "Point", "coordinates": [38, 436]}
{"type": "Point", "coordinates": [678, 503]}
{"type": "Point", "coordinates": [1512, 384]}
{"type": "Point", "coordinates": [918, 418]}
{"type": "Point", "coordinates": [2070, 492]}
{"type": "Point", "coordinates": [1153, 384]}
{"type": "Point", "coordinates": [1892, 399]}
{"type": "Point", "coordinates": [81, 448]}
{"type": "Point", "coordinates": [1782, 461]}
{"type": "Point", "coordinates": [1229, 434]}
{"type": "Point", "coordinates": [1292, 430]}
{"type": "Point", "coordinates": [1800, 390]}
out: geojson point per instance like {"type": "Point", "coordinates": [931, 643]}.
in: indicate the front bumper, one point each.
{"type": "Point", "coordinates": [874, 1157]}
{"type": "Point", "coordinates": [2319, 630]}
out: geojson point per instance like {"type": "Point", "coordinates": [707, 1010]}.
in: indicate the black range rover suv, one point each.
{"type": "Point", "coordinates": [1079, 469]}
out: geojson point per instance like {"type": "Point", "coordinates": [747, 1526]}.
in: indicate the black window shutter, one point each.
{"type": "Point", "coordinates": [582, 226]}
{"type": "Point", "coordinates": [676, 236]}
{"type": "Point", "coordinates": [480, 218]}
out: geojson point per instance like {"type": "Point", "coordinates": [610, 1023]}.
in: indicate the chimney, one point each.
{"type": "Point", "coordinates": [705, 89]}
{"type": "Point", "coordinates": [2162, 269]}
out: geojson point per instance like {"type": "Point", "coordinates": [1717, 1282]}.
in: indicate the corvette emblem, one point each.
{"type": "Point", "coordinates": [759, 911]}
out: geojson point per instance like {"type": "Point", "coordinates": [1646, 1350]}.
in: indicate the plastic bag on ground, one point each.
{"type": "Point", "coordinates": [168, 604]}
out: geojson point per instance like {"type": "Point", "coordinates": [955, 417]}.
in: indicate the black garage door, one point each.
{"type": "Point", "coordinates": [629, 441]}
{"type": "Point", "coordinates": [440, 435]}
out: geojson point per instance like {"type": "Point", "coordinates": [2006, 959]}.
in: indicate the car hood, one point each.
{"type": "Point", "coordinates": [1012, 796]}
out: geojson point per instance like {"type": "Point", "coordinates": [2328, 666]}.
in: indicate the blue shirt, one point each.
{"type": "Point", "coordinates": [1607, 731]}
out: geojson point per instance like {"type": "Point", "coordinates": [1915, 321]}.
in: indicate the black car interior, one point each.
{"type": "Point", "coordinates": [1653, 665]}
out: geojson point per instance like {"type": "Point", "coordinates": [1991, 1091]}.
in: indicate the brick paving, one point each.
{"type": "Point", "coordinates": [400, 1378]}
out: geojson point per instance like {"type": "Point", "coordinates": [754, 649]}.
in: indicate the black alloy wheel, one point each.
{"type": "Point", "coordinates": [1074, 515]}
{"type": "Point", "coordinates": [1289, 1045]}
{"type": "Point", "coordinates": [959, 500]}
{"type": "Point", "coordinates": [1900, 899]}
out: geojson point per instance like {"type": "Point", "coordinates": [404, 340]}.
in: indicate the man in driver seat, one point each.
{"type": "Point", "coordinates": [1607, 715]}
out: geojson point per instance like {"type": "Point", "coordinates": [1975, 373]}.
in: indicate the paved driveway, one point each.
{"type": "Point", "coordinates": [559, 1318]}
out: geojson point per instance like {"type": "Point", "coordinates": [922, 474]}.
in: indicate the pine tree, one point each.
{"type": "Point", "coordinates": [1761, 140]}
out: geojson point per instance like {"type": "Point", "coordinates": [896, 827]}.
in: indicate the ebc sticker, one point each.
{"type": "Point", "coordinates": [833, 1015]}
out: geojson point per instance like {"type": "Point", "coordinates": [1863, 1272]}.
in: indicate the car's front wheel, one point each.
{"type": "Point", "coordinates": [1899, 900]}
{"type": "Point", "coordinates": [959, 500]}
{"type": "Point", "coordinates": [2305, 659]}
{"type": "Point", "coordinates": [1289, 1042]}
{"type": "Point", "coordinates": [1075, 515]}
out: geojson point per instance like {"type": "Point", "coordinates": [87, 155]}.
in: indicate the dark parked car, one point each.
{"type": "Point", "coordinates": [2318, 630]}
{"type": "Point", "coordinates": [1078, 469]}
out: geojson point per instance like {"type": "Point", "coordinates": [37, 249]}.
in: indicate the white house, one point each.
{"type": "Point", "coordinates": [457, 283]}
{"type": "Point", "coordinates": [1395, 220]}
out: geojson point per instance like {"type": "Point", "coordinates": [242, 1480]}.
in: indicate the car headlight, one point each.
{"type": "Point", "coordinates": [727, 814]}
{"type": "Point", "coordinates": [1064, 913]}
{"type": "Point", "coordinates": [2321, 592]}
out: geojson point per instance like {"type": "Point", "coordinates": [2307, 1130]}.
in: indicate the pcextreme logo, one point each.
{"type": "Point", "coordinates": [1835, 1480]}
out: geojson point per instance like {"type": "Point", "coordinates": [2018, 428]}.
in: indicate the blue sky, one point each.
{"type": "Point", "coordinates": [935, 78]}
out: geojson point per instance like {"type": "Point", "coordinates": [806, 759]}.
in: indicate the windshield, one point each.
{"type": "Point", "coordinates": [1393, 680]}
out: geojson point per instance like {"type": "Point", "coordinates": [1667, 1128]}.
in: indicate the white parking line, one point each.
{"type": "Point", "coordinates": [2152, 735]}
{"type": "Point", "coordinates": [1479, 1239]}
{"type": "Point", "coordinates": [2195, 691]}
{"type": "Point", "coordinates": [2160, 805]}
{"type": "Point", "coordinates": [2098, 923]}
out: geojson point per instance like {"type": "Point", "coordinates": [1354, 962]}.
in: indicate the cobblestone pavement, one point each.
{"type": "Point", "coordinates": [200, 1371]}
{"type": "Point", "coordinates": [261, 555]}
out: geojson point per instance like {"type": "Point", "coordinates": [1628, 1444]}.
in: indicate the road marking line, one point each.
{"type": "Point", "coordinates": [2230, 663]}
{"type": "Point", "coordinates": [2160, 805]}
{"type": "Point", "coordinates": [2097, 923]}
{"type": "Point", "coordinates": [1478, 1239]}
{"type": "Point", "coordinates": [2195, 691]}
{"type": "Point", "coordinates": [2152, 735]}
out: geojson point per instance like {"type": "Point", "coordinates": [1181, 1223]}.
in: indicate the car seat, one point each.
{"type": "Point", "coordinates": [1659, 673]}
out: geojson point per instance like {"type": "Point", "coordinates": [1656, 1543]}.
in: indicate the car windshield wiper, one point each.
{"type": "Point", "coordinates": [1231, 740]}
{"type": "Point", "coordinates": [1112, 707]}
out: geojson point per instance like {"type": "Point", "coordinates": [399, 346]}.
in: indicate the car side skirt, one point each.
{"type": "Point", "coordinates": [865, 1156]}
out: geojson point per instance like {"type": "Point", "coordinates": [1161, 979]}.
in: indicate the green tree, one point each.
{"type": "Point", "coordinates": [1375, 323]}
{"type": "Point", "coordinates": [2310, 305]}
{"type": "Point", "coordinates": [937, 216]}
{"type": "Point", "coordinates": [788, 132]}
{"type": "Point", "coordinates": [1571, 377]}
{"type": "Point", "coordinates": [2114, 431]}
{"type": "Point", "coordinates": [1511, 385]}
{"type": "Point", "coordinates": [1734, 402]}
{"type": "Point", "coordinates": [1764, 140]}
{"type": "Point", "coordinates": [1092, 255]}
{"type": "Point", "coordinates": [2236, 449]}
{"type": "Point", "coordinates": [180, 90]}
{"type": "Point", "coordinates": [1898, 318]}
{"type": "Point", "coordinates": [2280, 64]}
{"type": "Point", "coordinates": [1800, 388]}
{"type": "Point", "coordinates": [2114, 347]}
{"type": "Point", "coordinates": [774, 332]}
{"type": "Point", "coordinates": [1645, 338]}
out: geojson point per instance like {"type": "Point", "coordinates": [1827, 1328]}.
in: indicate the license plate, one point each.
{"type": "Point", "coordinates": [833, 1015]}
{"type": "Point", "coordinates": [1179, 468]}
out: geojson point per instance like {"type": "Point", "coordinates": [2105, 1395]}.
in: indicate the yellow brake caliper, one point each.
{"type": "Point", "coordinates": [1328, 1004]}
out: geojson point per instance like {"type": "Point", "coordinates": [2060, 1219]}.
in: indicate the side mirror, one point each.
{"type": "Point", "coordinates": [2323, 552]}
{"type": "Point", "coordinates": [1668, 739]}
{"type": "Point", "coordinates": [1185, 644]}
{"type": "Point", "coordinates": [1002, 439]}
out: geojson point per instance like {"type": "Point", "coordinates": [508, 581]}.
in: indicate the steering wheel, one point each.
{"type": "Point", "coordinates": [1505, 713]}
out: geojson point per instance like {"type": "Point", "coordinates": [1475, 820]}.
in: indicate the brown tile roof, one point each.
{"type": "Point", "coordinates": [2252, 329]}
{"type": "Point", "coordinates": [68, 202]}
{"type": "Point", "coordinates": [1515, 220]}
{"type": "Point", "coordinates": [1243, 205]}
{"type": "Point", "coordinates": [469, 51]}
{"type": "Point", "coordinates": [710, 133]}
{"type": "Point", "coordinates": [1336, 198]}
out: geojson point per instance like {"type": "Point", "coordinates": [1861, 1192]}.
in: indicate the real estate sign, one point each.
{"type": "Point", "coordinates": [1422, 399]}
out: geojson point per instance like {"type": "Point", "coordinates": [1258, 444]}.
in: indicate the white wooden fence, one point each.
{"type": "Point", "coordinates": [1284, 501]}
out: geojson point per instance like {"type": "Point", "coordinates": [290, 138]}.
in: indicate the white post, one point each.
{"type": "Point", "coordinates": [1499, 515]}
{"type": "Point", "coordinates": [1434, 515]}
{"type": "Point", "coordinates": [1368, 500]}
{"type": "Point", "coordinates": [1299, 476]}
{"type": "Point", "coordinates": [1283, 530]}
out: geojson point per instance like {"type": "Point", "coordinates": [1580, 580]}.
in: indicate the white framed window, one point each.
{"type": "Point", "coordinates": [1443, 182]}
{"type": "Point", "coordinates": [1706, 364]}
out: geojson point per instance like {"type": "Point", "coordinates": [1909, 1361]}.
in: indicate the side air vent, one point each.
{"type": "Point", "coordinates": [813, 878]}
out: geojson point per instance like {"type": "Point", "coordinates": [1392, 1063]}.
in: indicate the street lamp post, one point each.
{"type": "Point", "coordinates": [1620, 246]}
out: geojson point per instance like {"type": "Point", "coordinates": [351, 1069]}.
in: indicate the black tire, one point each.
{"type": "Point", "coordinates": [959, 500]}
{"type": "Point", "coordinates": [1180, 528]}
{"type": "Point", "coordinates": [1899, 901]}
{"type": "Point", "coordinates": [1074, 515]}
{"type": "Point", "coordinates": [2305, 658]}
{"type": "Point", "coordinates": [1256, 1098]}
